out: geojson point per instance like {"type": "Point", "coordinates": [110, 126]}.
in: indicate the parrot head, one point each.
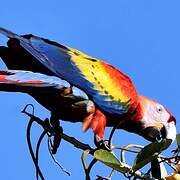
{"type": "Point", "coordinates": [156, 121]}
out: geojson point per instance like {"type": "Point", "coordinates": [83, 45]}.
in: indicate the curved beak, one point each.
{"type": "Point", "coordinates": [171, 131]}
{"type": "Point", "coordinates": [154, 133]}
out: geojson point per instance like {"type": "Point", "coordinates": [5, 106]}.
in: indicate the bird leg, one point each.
{"type": "Point", "coordinates": [57, 132]}
{"type": "Point", "coordinates": [106, 144]}
{"type": "Point", "coordinates": [96, 120]}
{"type": "Point", "coordinates": [51, 126]}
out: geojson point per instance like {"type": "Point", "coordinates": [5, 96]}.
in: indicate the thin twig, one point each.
{"type": "Point", "coordinates": [172, 166]}
{"type": "Point", "coordinates": [28, 105]}
{"type": "Point", "coordinates": [93, 162]}
{"type": "Point", "coordinates": [54, 159]}
{"type": "Point", "coordinates": [122, 148]}
{"type": "Point", "coordinates": [83, 160]}
{"type": "Point", "coordinates": [174, 159]}
{"type": "Point", "coordinates": [112, 133]}
{"type": "Point", "coordinates": [37, 150]}
{"type": "Point", "coordinates": [31, 149]}
{"type": "Point", "coordinates": [110, 175]}
{"type": "Point", "coordinates": [125, 148]}
{"type": "Point", "coordinates": [102, 178]}
{"type": "Point", "coordinates": [77, 143]}
{"type": "Point", "coordinates": [28, 136]}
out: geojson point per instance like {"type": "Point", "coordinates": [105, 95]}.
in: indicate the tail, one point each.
{"type": "Point", "coordinates": [7, 54]}
{"type": "Point", "coordinates": [9, 34]}
{"type": "Point", "coordinates": [20, 54]}
{"type": "Point", "coordinates": [9, 58]}
{"type": "Point", "coordinates": [24, 42]}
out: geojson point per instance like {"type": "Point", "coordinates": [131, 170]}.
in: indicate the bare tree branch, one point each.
{"type": "Point", "coordinates": [76, 143]}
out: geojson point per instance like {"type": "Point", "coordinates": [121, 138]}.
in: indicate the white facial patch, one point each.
{"type": "Point", "coordinates": [155, 115]}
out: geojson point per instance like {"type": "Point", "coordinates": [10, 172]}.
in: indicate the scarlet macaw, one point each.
{"type": "Point", "coordinates": [111, 95]}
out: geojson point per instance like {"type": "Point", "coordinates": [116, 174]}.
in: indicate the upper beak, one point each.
{"type": "Point", "coordinates": [171, 131]}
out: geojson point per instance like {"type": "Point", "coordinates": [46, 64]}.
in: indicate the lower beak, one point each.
{"type": "Point", "coordinates": [171, 131]}
{"type": "Point", "coordinates": [154, 133]}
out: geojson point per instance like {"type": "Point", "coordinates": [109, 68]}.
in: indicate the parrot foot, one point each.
{"type": "Point", "coordinates": [57, 131]}
{"type": "Point", "coordinates": [101, 144]}
{"type": "Point", "coordinates": [51, 126]}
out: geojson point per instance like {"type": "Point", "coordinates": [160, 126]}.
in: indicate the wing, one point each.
{"type": "Point", "coordinates": [109, 88]}
{"type": "Point", "coordinates": [29, 82]}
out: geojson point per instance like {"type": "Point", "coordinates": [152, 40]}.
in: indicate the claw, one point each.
{"type": "Point", "coordinates": [57, 139]}
{"type": "Point", "coordinates": [56, 132]}
{"type": "Point", "coordinates": [51, 126]}
{"type": "Point", "coordinates": [101, 144]}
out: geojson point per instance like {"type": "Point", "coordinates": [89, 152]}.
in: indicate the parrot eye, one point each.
{"type": "Point", "coordinates": [159, 109]}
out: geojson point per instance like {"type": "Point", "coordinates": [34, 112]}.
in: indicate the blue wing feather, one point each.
{"type": "Point", "coordinates": [57, 59]}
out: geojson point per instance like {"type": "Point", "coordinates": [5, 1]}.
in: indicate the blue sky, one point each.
{"type": "Point", "coordinates": [141, 38]}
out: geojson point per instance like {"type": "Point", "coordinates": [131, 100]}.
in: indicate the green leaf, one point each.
{"type": "Point", "coordinates": [110, 160]}
{"type": "Point", "coordinates": [178, 140]}
{"type": "Point", "coordinates": [149, 152]}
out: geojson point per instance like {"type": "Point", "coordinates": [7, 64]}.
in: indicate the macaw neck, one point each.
{"type": "Point", "coordinates": [133, 122]}
{"type": "Point", "coordinates": [130, 121]}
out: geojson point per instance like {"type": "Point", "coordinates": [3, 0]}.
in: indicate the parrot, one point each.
{"type": "Point", "coordinates": [65, 80]}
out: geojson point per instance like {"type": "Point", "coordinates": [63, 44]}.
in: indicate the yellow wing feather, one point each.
{"type": "Point", "coordinates": [94, 71]}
